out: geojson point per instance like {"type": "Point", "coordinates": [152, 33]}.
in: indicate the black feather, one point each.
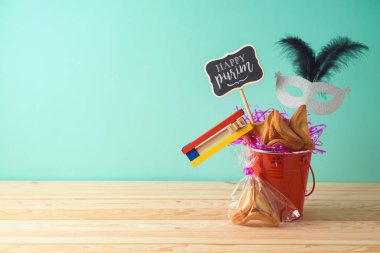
{"type": "Point", "coordinates": [336, 55]}
{"type": "Point", "coordinates": [301, 55]}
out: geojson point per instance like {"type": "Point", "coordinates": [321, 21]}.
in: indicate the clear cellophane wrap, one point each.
{"type": "Point", "coordinates": [254, 199]}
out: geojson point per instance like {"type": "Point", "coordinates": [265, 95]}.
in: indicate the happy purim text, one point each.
{"type": "Point", "coordinates": [232, 69]}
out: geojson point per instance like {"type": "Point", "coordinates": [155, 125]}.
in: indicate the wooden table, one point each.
{"type": "Point", "coordinates": [177, 217]}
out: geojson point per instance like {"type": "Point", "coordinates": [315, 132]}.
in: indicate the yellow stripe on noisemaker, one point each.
{"type": "Point", "coordinates": [211, 151]}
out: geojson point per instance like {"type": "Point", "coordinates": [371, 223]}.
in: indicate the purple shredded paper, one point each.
{"type": "Point", "coordinates": [259, 115]}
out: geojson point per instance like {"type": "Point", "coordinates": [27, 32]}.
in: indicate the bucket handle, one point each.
{"type": "Point", "coordinates": [312, 189]}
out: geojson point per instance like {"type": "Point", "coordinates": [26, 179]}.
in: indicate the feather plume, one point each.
{"type": "Point", "coordinates": [301, 55]}
{"type": "Point", "coordinates": [336, 55]}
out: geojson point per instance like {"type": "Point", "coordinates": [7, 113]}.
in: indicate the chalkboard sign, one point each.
{"type": "Point", "coordinates": [234, 70]}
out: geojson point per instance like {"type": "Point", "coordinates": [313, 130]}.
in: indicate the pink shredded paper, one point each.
{"type": "Point", "coordinates": [259, 116]}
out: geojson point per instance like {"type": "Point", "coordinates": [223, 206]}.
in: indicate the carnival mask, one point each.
{"type": "Point", "coordinates": [309, 89]}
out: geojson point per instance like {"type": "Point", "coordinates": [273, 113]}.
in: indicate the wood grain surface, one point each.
{"type": "Point", "coordinates": [121, 216]}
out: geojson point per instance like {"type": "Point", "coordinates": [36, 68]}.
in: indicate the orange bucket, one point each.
{"type": "Point", "coordinates": [287, 172]}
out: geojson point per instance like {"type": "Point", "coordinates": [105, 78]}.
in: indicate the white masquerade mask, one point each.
{"type": "Point", "coordinates": [309, 89]}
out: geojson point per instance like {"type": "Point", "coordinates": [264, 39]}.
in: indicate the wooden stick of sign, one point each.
{"type": "Point", "coordinates": [246, 105]}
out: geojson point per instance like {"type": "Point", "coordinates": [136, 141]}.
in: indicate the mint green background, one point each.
{"type": "Point", "coordinates": [93, 90]}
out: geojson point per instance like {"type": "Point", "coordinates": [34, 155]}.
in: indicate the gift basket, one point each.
{"type": "Point", "coordinates": [276, 149]}
{"type": "Point", "coordinates": [276, 160]}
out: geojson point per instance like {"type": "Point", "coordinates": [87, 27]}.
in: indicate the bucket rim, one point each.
{"type": "Point", "coordinates": [281, 153]}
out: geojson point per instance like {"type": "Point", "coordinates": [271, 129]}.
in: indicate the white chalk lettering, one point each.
{"type": "Point", "coordinates": [241, 57]}
{"type": "Point", "coordinates": [220, 66]}
{"type": "Point", "coordinates": [234, 73]}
